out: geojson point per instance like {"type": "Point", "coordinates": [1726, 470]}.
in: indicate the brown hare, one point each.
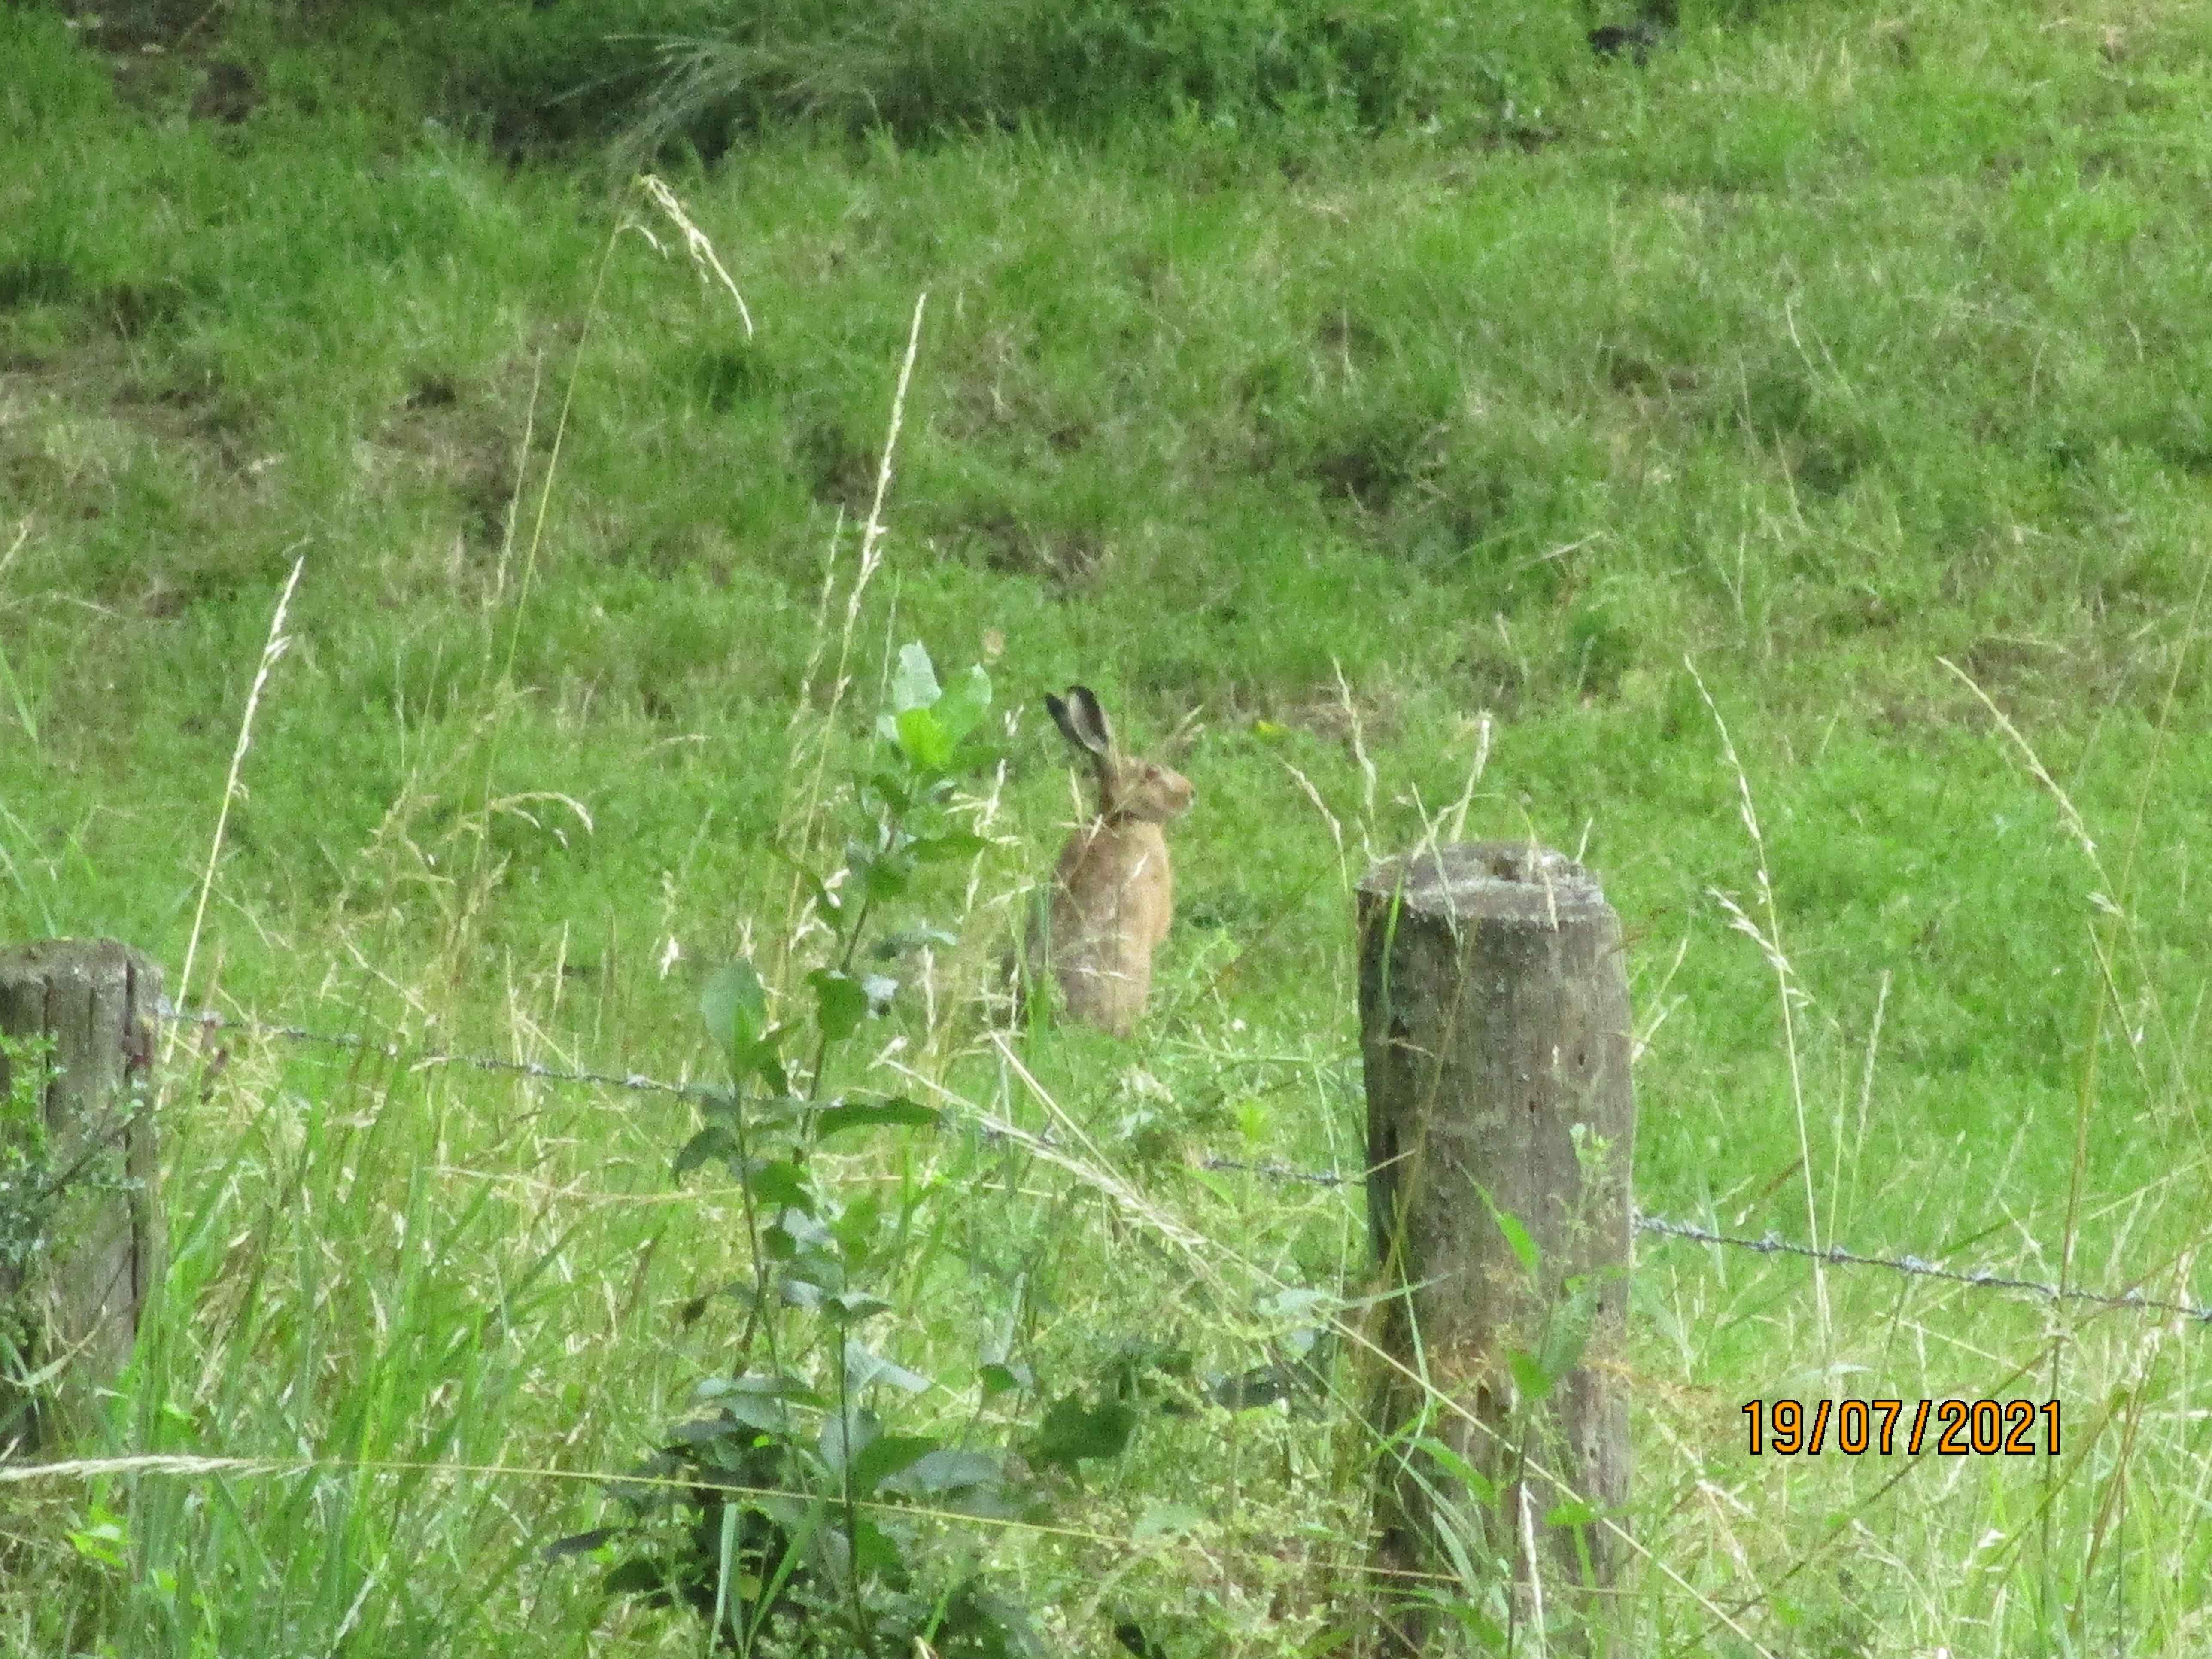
{"type": "Point", "coordinates": [1113, 894]}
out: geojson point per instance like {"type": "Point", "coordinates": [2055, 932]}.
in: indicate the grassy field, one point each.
{"type": "Point", "coordinates": [1847, 365]}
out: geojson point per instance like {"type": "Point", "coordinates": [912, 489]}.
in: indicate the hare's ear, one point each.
{"type": "Point", "coordinates": [1064, 718]}
{"type": "Point", "coordinates": [1081, 721]}
{"type": "Point", "coordinates": [1090, 720]}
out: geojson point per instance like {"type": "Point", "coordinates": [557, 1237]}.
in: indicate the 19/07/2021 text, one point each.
{"type": "Point", "coordinates": [1978, 1428]}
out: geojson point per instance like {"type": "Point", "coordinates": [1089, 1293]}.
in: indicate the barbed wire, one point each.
{"type": "Point", "coordinates": [2135, 1301]}
{"type": "Point", "coordinates": [636, 1081]}
{"type": "Point", "coordinates": [1286, 1172]}
{"type": "Point", "coordinates": [1768, 1244]}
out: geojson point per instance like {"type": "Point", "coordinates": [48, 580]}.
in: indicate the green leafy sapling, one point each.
{"type": "Point", "coordinates": [779, 1512]}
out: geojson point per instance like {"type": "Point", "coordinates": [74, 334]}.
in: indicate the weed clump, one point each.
{"type": "Point", "coordinates": [918, 67]}
{"type": "Point", "coordinates": [702, 74]}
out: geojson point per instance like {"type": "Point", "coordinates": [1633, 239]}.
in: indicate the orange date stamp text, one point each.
{"type": "Point", "coordinates": [1950, 1428]}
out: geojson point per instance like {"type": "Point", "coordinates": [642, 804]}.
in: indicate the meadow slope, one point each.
{"type": "Point", "coordinates": [1840, 377]}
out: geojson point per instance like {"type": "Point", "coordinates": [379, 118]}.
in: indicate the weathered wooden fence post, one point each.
{"type": "Point", "coordinates": [80, 1224]}
{"type": "Point", "coordinates": [1493, 1004]}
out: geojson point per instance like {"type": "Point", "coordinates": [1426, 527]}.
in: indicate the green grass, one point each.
{"type": "Point", "coordinates": [1833, 345]}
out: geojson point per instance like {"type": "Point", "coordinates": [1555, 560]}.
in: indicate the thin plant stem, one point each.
{"type": "Point", "coordinates": [272, 648]}
{"type": "Point", "coordinates": [1786, 992]}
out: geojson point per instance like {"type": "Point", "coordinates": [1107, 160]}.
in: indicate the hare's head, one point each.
{"type": "Point", "coordinates": [1130, 790]}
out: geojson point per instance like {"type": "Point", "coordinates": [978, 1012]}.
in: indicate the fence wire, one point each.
{"type": "Point", "coordinates": [424, 1057]}
{"type": "Point", "coordinates": [1913, 1267]}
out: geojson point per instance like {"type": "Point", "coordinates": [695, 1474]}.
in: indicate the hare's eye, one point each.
{"type": "Point", "coordinates": [1152, 774]}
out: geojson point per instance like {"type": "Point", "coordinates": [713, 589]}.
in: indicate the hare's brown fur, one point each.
{"type": "Point", "coordinates": [1113, 891]}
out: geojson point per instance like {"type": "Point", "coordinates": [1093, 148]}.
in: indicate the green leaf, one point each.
{"type": "Point", "coordinates": [645, 1488]}
{"type": "Point", "coordinates": [1293, 1303]}
{"type": "Point", "coordinates": [701, 1431]}
{"type": "Point", "coordinates": [840, 1003]}
{"type": "Point", "coordinates": [763, 1385]}
{"type": "Point", "coordinates": [951, 844]}
{"type": "Point", "coordinates": [1073, 1430]}
{"type": "Point", "coordinates": [846, 1435]}
{"type": "Point", "coordinates": [766, 1064]}
{"type": "Point", "coordinates": [639, 1576]}
{"type": "Point", "coordinates": [1000, 1379]}
{"type": "Point", "coordinates": [1528, 1374]}
{"type": "Point", "coordinates": [891, 788]}
{"type": "Point", "coordinates": [104, 1540]}
{"type": "Point", "coordinates": [886, 1455]}
{"type": "Point", "coordinates": [886, 875]}
{"type": "Point", "coordinates": [1517, 1236]}
{"type": "Point", "coordinates": [766, 1417]}
{"type": "Point", "coordinates": [913, 939]}
{"type": "Point", "coordinates": [786, 1112]}
{"type": "Point", "coordinates": [582, 1543]}
{"type": "Point", "coordinates": [1568, 1331]}
{"type": "Point", "coordinates": [798, 1291]}
{"type": "Point", "coordinates": [825, 900]}
{"type": "Point", "coordinates": [734, 1006]}
{"type": "Point", "coordinates": [977, 755]}
{"type": "Point", "coordinates": [987, 1627]}
{"type": "Point", "coordinates": [1574, 1513]}
{"type": "Point", "coordinates": [735, 1009]}
{"type": "Point", "coordinates": [1457, 1467]}
{"type": "Point", "coordinates": [913, 683]}
{"type": "Point", "coordinates": [854, 1229]}
{"type": "Point", "coordinates": [923, 740]}
{"type": "Point", "coordinates": [864, 1115]}
{"type": "Point", "coordinates": [960, 708]}
{"type": "Point", "coordinates": [876, 1554]}
{"type": "Point", "coordinates": [689, 1313]}
{"type": "Point", "coordinates": [863, 1368]}
{"type": "Point", "coordinates": [851, 1307]}
{"type": "Point", "coordinates": [803, 1230]}
{"type": "Point", "coordinates": [713, 1141]}
{"type": "Point", "coordinates": [778, 1181]}
{"type": "Point", "coordinates": [945, 1471]}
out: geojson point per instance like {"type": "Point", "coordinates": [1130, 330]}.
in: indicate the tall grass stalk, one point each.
{"type": "Point", "coordinates": [703, 258]}
{"type": "Point", "coordinates": [1787, 995]}
{"type": "Point", "coordinates": [272, 650]}
{"type": "Point", "coordinates": [796, 828]}
{"type": "Point", "coordinates": [2112, 926]}
{"type": "Point", "coordinates": [622, 222]}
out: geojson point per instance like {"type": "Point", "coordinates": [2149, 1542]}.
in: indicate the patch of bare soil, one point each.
{"type": "Point", "coordinates": [167, 54]}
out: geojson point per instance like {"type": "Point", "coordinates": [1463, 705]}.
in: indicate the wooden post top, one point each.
{"type": "Point", "coordinates": [1515, 881]}
{"type": "Point", "coordinates": [45, 953]}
